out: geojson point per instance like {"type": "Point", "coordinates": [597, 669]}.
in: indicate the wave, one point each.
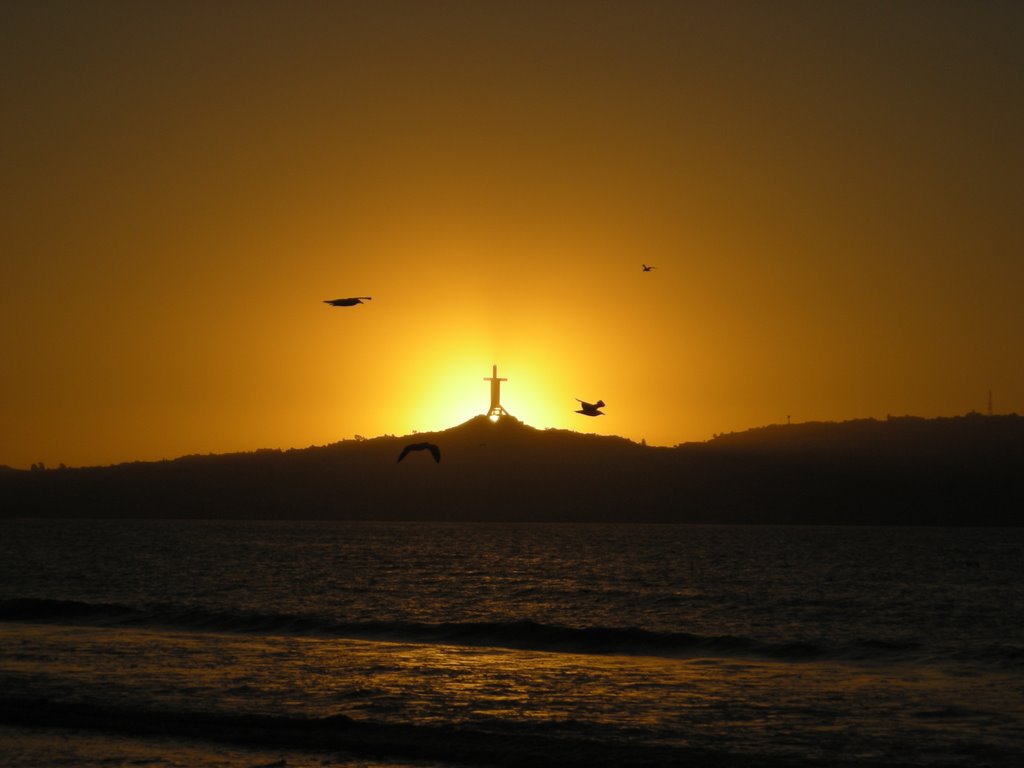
{"type": "Point", "coordinates": [518, 635]}
{"type": "Point", "coordinates": [448, 744]}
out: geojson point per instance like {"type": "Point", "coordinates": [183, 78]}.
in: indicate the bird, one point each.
{"type": "Point", "coordinates": [590, 409]}
{"type": "Point", "coordinates": [434, 451]}
{"type": "Point", "coordinates": [347, 302]}
{"type": "Point", "coordinates": [647, 268]}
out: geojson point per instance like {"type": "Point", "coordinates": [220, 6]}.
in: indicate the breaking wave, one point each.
{"type": "Point", "coordinates": [373, 739]}
{"type": "Point", "coordinates": [518, 635]}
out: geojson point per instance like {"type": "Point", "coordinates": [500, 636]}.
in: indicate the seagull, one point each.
{"type": "Point", "coordinates": [647, 268]}
{"type": "Point", "coordinates": [590, 409]}
{"type": "Point", "coordinates": [434, 450]}
{"type": "Point", "coordinates": [347, 302]}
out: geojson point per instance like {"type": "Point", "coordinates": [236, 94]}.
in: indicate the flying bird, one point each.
{"type": "Point", "coordinates": [590, 409]}
{"type": "Point", "coordinates": [434, 451]}
{"type": "Point", "coordinates": [647, 268]}
{"type": "Point", "coordinates": [347, 302]}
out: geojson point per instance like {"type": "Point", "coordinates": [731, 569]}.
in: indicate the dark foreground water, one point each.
{"type": "Point", "coordinates": [176, 643]}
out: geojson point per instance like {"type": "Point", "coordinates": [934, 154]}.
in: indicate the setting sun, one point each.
{"type": "Point", "coordinates": [173, 235]}
{"type": "Point", "coordinates": [738, 285]}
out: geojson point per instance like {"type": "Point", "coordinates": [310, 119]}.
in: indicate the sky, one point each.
{"type": "Point", "coordinates": [830, 193]}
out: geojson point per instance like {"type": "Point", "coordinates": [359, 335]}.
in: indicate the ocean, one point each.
{"type": "Point", "coordinates": [258, 644]}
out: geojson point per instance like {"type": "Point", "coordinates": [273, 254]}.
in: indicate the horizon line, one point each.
{"type": "Point", "coordinates": [482, 417]}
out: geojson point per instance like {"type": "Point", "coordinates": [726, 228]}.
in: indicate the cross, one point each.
{"type": "Point", "coordinates": [495, 410]}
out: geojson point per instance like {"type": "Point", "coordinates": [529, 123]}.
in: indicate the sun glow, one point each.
{"type": "Point", "coordinates": [450, 392]}
{"type": "Point", "coordinates": [454, 388]}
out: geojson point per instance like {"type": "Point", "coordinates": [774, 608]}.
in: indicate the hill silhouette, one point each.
{"type": "Point", "coordinates": [964, 470]}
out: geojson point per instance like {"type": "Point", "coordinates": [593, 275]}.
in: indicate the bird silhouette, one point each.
{"type": "Point", "coordinates": [647, 268]}
{"type": "Point", "coordinates": [434, 451]}
{"type": "Point", "coordinates": [590, 409]}
{"type": "Point", "coordinates": [347, 302]}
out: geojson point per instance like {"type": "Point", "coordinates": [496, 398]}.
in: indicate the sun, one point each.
{"type": "Point", "coordinates": [471, 377]}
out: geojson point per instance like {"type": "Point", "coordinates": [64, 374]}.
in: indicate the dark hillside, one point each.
{"type": "Point", "coordinates": [904, 439]}
{"type": "Point", "coordinates": [965, 471]}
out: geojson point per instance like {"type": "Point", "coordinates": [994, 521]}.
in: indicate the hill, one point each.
{"type": "Point", "coordinates": [963, 471]}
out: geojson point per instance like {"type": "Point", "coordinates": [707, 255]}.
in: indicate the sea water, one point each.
{"type": "Point", "coordinates": [174, 643]}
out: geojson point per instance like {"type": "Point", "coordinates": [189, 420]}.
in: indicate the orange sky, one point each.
{"type": "Point", "coordinates": [831, 194]}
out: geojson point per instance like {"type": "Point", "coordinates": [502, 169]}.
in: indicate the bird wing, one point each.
{"type": "Point", "coordinates": [434, 450]}
{"type": "Point", "coordinates": [349, 302]}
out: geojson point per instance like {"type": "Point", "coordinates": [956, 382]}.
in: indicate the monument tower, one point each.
{"type": "Point", "coordinates": [496, 410]}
